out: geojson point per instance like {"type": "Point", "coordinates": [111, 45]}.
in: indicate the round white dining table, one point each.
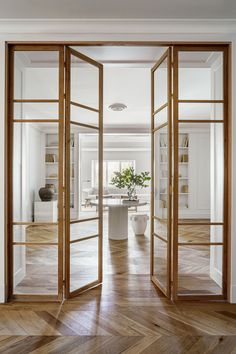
{"type": "Point", "coordinates": [118, 216]}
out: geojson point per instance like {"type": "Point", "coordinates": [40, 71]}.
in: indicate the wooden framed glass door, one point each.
{"type": "Point", "coordinates": [35, 130]}
{"type": "Point", "coordinates": [201, 172]}
{"type": "Point", "coordinates": [83, 135]}
{"type": "Point", "coordinates": [161, 189]}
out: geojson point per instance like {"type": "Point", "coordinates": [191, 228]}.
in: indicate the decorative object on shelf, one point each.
{"type": "Point", "coordinates": [46, 194]}
{"type": "Point", "coordinates": [185, 142]}
{"type": "Point", "coordinates": [127, 178]}
{"type": "Point", "coordinates": [163, 142]}
{"type": "Point", "coordinates": [184, 188]}
{"type": "Point", "coordinates": [52, 175]}
{"type": "Point", "coordinates": [51, 186]}
{"type": "Point", "coordinates": [50, 158]}
{"type": "Point", "coordinates": [184, 158]}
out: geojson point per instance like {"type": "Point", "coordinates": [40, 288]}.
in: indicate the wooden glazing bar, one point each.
{"type": "Point", "coordinates": [9, 169]}
{"type": "Point", "coordinates": [36, 120]}
{"type": "Point", "coordinates": [84, 125]}
{"type": "Point", "coordinates": [100, 192]}
{"type": "Point", "coordinates": [160, 61]}
{"type": "Point", "coordinates": [152, 180]}
{"type": "Point", "coordinates": [159, 285]}
{"type": "Point", "coordinates": [35, 243]}
{"type": "Point", "coordinates": [160, 127]}
{"type": "Point", "coordinates": [175, 174]}
{"type": "Point", "coordinates": [227, 177]}
{"type": "Point", "coordinates": [34, 223]}
{"type": "Point", "coordinates": [200, 243]}
{"type": "Point", "coordinates": [84, 106]}
{"type": "Point", "coordinates": [169, 151]}
{"type": "Point", "coordinates": [215, 121]}
{"type": "Point", "coordinates": [67, 170]}
{"type": "Point", "coordinates": [160, 108]}
{"type": "Point", "coordinates": [33, 100]}
{"type": "Point", "coordinates": [200, 223]}
{"type": "Point", "coordinates": [84, 220]}
{"type": "Point", "coordinates": [84, 238]}
{"type": "Point", "coordinates": [160, 237]}
{"type": "Point", "coordinates": [200, 101]}
{"type": "Point", "coordinates": [61, 90]}
{"type": "Point", "coordinates": [84, 288]}
{"type": "Point", "coordinates": [28, 47]}
{"type": "Point", "coordinates": [85, 58]}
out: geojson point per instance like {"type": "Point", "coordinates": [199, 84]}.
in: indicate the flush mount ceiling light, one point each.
{"type": "Point", "coordinates": [117, 107]}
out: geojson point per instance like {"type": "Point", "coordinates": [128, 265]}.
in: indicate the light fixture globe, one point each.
{"type": "Point", "coordinates": [117, 107]}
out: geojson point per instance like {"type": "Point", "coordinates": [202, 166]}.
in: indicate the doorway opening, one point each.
{"type": "Point", "coordinates": [77, 115]}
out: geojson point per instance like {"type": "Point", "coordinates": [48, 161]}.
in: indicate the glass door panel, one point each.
{"type": "Point", "coordinates": [83, 191]}
{"type": "Point", "coordinates": [161, 174]}
{"type": "Point", "coordinates": [201, 173]}
{"type": "Point", "coordinates": [35, 186]}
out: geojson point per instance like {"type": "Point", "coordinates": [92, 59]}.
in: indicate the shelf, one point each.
{"type": "Point", "coordinates": [178, 178]}
{"type": "Point", "coordinates": [56, 178]}
{"type": "Point", "coordinates": [178, 193]}
{"type": "Point", "coordinates": [180, 147]}
{"type": "Point", "coordinates": [180, 163]}
{"type": "Point", "coordinates": [70, 193]}
{"type": "Point", "coordinates": [55, 163]}
{"type": "Point", "coordinates": [55, 147]}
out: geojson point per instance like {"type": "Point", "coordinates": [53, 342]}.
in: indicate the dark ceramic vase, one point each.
{"type": "Point", "coordinates": [46, 194]}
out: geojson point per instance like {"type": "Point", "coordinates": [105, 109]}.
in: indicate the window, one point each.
{"type": "Point", "coordinates": [109, 167]}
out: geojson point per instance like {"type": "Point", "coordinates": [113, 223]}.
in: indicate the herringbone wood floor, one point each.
{"type": "Point", "coordinates": [127, 314]}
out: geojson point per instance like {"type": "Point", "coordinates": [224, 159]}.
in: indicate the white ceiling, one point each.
{"type": "Point", "coordinates": [110, 9]}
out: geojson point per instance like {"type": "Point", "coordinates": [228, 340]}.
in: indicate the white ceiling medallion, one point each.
{"type": "Point", "coordinates": [117, 107]}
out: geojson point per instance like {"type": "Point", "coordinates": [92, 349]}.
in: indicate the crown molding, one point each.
{"type": "Point", "coordinates": [113, 26]}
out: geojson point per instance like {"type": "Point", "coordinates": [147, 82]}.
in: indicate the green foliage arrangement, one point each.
{"type": "Point", "coordinates": [127, 178]}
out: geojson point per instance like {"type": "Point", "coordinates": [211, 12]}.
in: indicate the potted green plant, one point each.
{"type": "Point", "coordinates": [127, 178]}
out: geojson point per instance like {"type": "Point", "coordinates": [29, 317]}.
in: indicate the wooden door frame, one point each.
{"type": "Point", "coordinates": [33, 45]}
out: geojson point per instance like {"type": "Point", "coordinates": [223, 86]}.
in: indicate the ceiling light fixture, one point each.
{"type": "Point", "coordinates": [117, 107]}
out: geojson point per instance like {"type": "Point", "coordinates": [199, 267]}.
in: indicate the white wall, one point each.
{"type": "Point", "coordinates": [115, 31]}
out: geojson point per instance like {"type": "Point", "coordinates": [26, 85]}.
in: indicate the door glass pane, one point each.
{"type": "Point", "coordinates": [35, 111]}
{"type": "Point", "coordinates": [160, 85]}
{"type": "Point", "coordinates": [84, 116]}
{"type": "Point", "coordinates": [35, 270]}
{"type": "Point", "coordinates": [200, 270]}
{"type": "Point", "coordinates": [35, 233]}
{"type": "Point", "coordinates": [35, 166]}
{"type": "Point", "coordinates": [201, 111]}
{"type": "Point", "coordinates": [84, 183]}
{"type": "Point", "coordinates": [201, 75]}
{"type": "Point", "coordinates": [83, 263]}
{"type": "Point", "coordinates": [201, 171]}
{"type": "Point", "coordinates": [160, 261]}
{"type": "Point", "coordinates": [36, 74]}
{"type": "Point", "coordinates": [83, 229]}
{"type": "Point", "coordinates": [161, 117]}
{"type": "Point", "coordinates": [84, 83]}
{"type": "Point", "coordinates": [200, 233]}
{"type": "Point", "coordinates": [160, 181]}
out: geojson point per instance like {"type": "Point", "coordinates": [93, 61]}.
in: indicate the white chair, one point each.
{"type": "Point", "coordinates": [139, 223]}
